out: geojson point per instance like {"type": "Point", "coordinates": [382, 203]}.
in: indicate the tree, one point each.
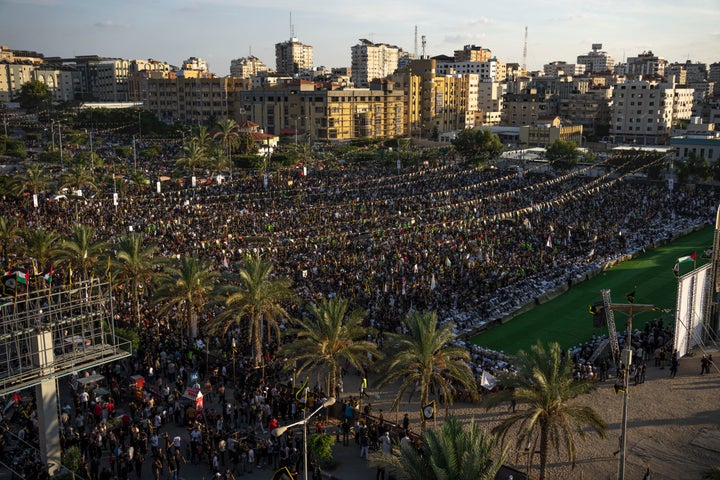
{"type": "Point", "coordinates": [33, 95]}
{"type": "Point", "coordinates": [544, 382]}
{"type": "Point", "coordinates": [40, 246]}
{"type": "Point", "coordinates": [34, 179]}
{"type": "Point", "coordinates": [195, 156]}
{"type": "Point", "coordinates": [8, 235]}
{"type": "Point", "coordinates": [478, 146]}
{"type": "Point", "coordinates": [186, 288]}
{"type": "Point", "coordinates": [328, 338]}
{"type": "Point", "coordinates": [133, 267]}
{"type": "Point", "coordinates": [81, 252]}
{"type": "Point", "coordinates": [228, 135]}
{"type": "Point", "coordinates": [246, 145]}
{"type": "Point", "coordinates": [563, 155]}
{"type": "Point", "coordinates": [257, 299]}
{"type": "Point", "coordinates": [427, 358]}
{"type": "Point", "coordinates": [453, 452]}
{"type": "Point", "coordinates": [79, 177]}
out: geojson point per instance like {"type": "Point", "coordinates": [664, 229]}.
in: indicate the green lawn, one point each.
{"type": "Point", "coordinates": [566, 319]}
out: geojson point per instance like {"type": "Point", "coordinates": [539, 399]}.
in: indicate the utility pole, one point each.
{"type": "Point", "coordinates": [626, 359]}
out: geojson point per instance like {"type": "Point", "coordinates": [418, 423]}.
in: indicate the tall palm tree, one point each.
{"type": "Point", "coordinates": [328, 338]}
{"type": "Point", "coordinates": [79, 177]}
{"type": "Point", "coordinates": [187, 288]}
{"type": "Point", "coordinates": [81, 251]}
{"type": "Point", "coordinates": [257, 298]}
{"type": "Point", "coordinates": [426, 357]}
{"type": "Point", "coordinates": [453, 452]}
{"type": "Point", "coordinates": [9, 234]}
{"type": "Point", "coordinates": [34, 179]}
{"type": "Point", "coordinates": [195, 156]}
{"type": "Point", "coordinates": [40, 246]}
{"type": "Point", "coordinates": [133, 267]}
{"type": "Point", "coordinates": [544, 382]}
{"type": "Point", "coordinates": [228, 135]}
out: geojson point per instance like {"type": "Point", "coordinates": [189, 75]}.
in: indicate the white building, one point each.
{"type": "Point", "coordinates": [700, 140]}
{"type": "Point", "coordinates": [488, 71]}
{"type": "Point", "coordinates": [373, 60]}
{"type": "Point", "coordinates": [644, 111]}
{"type": "Point", "coordinates": [560, 68]}
{"type": "Point", "coordinates": [596, 60]}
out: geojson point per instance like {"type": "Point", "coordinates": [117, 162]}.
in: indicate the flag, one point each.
{"type": "Point", "coordinates": [549, 242]}
{"type": "Point", "coordinates": [487, 381]}
{"type": "Point", "coordinates": [630, 297]}
{"type": "Point", "coordinates": [49, 276]}
{"type": "Point", "coordinates": [301, 393]}
{"type": "Point", "coordinates": [676, 270]}
{"type": "Point", "coordinates": [689, 258]}
{"type": "Point", "coordinates": [283, 474]}
{"type": "Point", "coordinates": [428, 411]}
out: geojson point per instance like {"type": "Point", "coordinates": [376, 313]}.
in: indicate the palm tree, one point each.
{"type": "Point", "coordinates": [328, 338]}
{"type": "Point", "coordinates": [544, 382]}
{"type": "Point", "coordinates": [256, 300]}
{"type": "Point", "coordinates": [8, 235]}
{"type": "Point", "coordinates": [195, 156]}
{"type": "Point", "coordinates": [40, 246]}
{"type": "Point", "coordinates": [453, 452]}
{"type": "Point", "coordinates": [79, 177]}
{"type": "Point", "coordinates": [712, 474]}
{"type": "Point", "coordinates": [133, 267]}
{"type": "Point", "coordinates": [427, 357]}
{"type": "Point", "coordinates": [187, 288]}
{"type": "Point", "coordinates": [81, 252]}
{"type": "Point", "coordinates": [34, 179]}
{"type": "Point", "coordinates": [228, 135]}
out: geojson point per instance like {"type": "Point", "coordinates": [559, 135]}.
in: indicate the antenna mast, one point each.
{"type": "Point", "coordinates": [524, 65]}
{"type": "Point", "coordinates": [415, 49]}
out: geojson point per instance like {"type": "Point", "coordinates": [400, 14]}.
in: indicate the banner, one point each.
{"type": "Point", "coordinates": [487, 381]}
{"type": "Point", "coordinates": [428, 411]}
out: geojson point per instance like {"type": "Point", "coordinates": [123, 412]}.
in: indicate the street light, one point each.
{"type": "Point", "coordinates": [280, 430]}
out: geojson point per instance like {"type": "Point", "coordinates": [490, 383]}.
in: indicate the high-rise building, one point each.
{"type": "Point", "coordinates": [646, 64]}
{"type": "Point", "coordinates": [292, 56]}
{"type": "Point", "coordinates": [373, 60]}
{"type": "Point", "coordinates": [596, 60]}
{"type": "Point", "coordinates": [644, 111]}
{"type": "Point", "coordinates": [247, 67]}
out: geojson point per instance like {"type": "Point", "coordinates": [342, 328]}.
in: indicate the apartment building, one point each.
{"type": "Point", "coordinates": [527, 107]}
{"type": "Point", "coordinates": [247, 67]}
{"type": "Point", "coordinates": [699, 140]}
{"type": "Point", "coordinates": [192, 100]}
{"type": "Point", "coordinates": [644, 111]}
{"type": "Point", "coordinates": [548, 129]}
{"type": "Point", "coordinates": [472, 53]}
{"type": "Point", "coordinates": [12, 77]}
{"type": "Point", "coordinates": [559, 68]}
{"type": "Point", "coordinates": [293, 56]}
{"type": "Point", "coordinates": [596, 60]}
{"type": "Point", "coordinates": [591, 109]}
{"type": "Point", "coordinates": [326, 112]}
{"type": "Point", "coordinates": [646, 64]}
{"type": "Point", "coordinates": [372, 60]}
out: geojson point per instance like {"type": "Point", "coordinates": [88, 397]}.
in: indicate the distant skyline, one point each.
{"type": "Point", "coordinates": [221, 30]}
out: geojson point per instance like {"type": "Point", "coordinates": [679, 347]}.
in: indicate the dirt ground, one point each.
{"type": "Point", "coordinates": [673, 425]}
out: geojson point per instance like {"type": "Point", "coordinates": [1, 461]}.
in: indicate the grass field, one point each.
{"type": "Point", "coordinates": [566, 319]}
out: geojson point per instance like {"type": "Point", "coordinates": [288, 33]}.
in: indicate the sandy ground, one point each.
{"type": "Point", "coordinates": [673, 425]}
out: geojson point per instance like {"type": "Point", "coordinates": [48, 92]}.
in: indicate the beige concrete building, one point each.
{"type": "Point", "coordinates": [12, 77]}
{"type": "Point", "coordinates": [324, 112]}
{"type": "Point", "coordinates": [645, 111]}
{"type": "Point", "coordinates": [192, 101]}
{"type": "Point", "coordinates": [590, 109]}
{"type": "Point", "coordinates": [546, 130]}
{"type": "Point", "coordinates": [247, 67]}
{"type": "Point", "coordinates": [472, 53]}
{"type": "Point", "coordinates": [292, 56]}
{"type": "Point", "coordinates": [372, 60]}
{"type": "Point", "coordinates": [527, 107]}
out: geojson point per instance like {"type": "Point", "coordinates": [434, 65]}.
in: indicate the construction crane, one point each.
{"type": "Point", "coordinates": [524, 64]}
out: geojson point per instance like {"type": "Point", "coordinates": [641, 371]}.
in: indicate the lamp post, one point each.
{"type": "Point", "coordinates": [280, 430]}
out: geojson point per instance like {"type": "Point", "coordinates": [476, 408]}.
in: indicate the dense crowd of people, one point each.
{"type": "Point", "coordinates": [471, 245]}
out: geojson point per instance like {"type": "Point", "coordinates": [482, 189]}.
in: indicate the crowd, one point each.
{"type": "Point", "coordinates": [471, 245]}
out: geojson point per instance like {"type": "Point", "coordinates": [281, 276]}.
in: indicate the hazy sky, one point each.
{"type": "Point", "coordinates": [221, 30]}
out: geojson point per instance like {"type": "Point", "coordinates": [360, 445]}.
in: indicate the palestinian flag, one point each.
{"type": "Point", "coordinates": [48, 277]}
{"type": "Point", "coordinates": [689, 258]}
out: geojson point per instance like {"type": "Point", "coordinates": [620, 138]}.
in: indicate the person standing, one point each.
{"type": "Point", "coordinates": [364, 446]}
{"type": "Point", "coordinates": [674, 363]}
